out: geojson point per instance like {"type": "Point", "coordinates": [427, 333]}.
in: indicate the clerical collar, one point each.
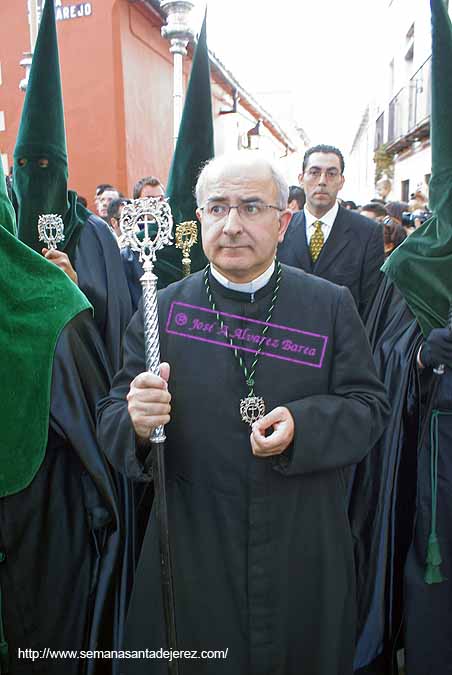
{"type": "Point", "coordinates": [250, 287]}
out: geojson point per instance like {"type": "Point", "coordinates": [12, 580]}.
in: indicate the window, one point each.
{"type": "Point", "coordinates": [409, 47]}
{"type": "Point", "coordinates": [2, 121]}
{"type": "Point", "coordinates": [405, 190]}
{"type": "Point", "coordinates": [379, 131]}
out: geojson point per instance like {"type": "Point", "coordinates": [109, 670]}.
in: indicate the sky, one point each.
{"type": "Point", "coordinates": [320, 55]}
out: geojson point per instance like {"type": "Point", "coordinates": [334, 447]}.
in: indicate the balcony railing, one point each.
{"type": "Point", "coordinates": [420, 96]}
{"type": "Point", "coordinates": [398, 115]}
{"type": "Point", "coordinates": [408, 110]}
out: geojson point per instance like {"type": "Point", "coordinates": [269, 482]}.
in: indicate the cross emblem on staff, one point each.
{"type": "Point", "coordinates": [51, 230]}
{"type": "Point", "coordinates": [146, 225]}
{"type": "Point", "coordinates": [148, 220]}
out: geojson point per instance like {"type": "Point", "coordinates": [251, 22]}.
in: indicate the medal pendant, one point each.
{"type": "Point", "coordinates": [252, 408]}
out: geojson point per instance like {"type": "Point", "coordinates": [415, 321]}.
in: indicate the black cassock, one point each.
{"type": "Point", "coordinates": [391, 507]}
{"type": "Point", "coordinates": [428, 607]}
{"type": "Point", "coordinates": [383, 486]}
{"type": "Point", "coordinates": [62, 579]}
{"type": "Point", "coordinates": [133, 270]}
{"type": "Point", "coordinates": [262, 548]}
{"type": "Point", "coordinates": [101, 277]}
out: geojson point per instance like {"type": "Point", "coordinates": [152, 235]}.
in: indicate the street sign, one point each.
{"type": "Point", "coordinates": [64, 9]}
{"type": "Point", "coordinates": [72, 11]}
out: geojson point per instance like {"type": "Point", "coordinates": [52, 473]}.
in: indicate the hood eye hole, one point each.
{"type": "Point", "coordinates": [22, 161]}
{"type": "Point", "coordinates": [43, 163]}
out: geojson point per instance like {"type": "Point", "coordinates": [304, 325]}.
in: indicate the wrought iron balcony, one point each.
{"type": "Point", "coordinates": [408, 113]}
{"type": "Point", "coordinates": [420, 96]}
{"type": "Point", "coordinates": [398, 116]}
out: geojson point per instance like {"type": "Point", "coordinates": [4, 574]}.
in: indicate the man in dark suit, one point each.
{"type": "Point", "coordinates": [328, 240]}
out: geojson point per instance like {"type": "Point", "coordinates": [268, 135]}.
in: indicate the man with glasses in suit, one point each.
{"type": "Point", "coordinates": [329, 241]}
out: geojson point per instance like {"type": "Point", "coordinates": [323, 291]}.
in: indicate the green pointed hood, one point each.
{"type": "Point", "coordinates": [37, 300]}
{"type": "Point", "coordinates": [194, 147]}
{"type": "Point", "coordinates": [421, 266]}
{"type": "Point", "coordinates": [7, 215]}
{"type": "Point", "coordinates": [40, 156]}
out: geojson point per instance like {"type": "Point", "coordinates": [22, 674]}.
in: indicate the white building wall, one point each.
{"type": "Point", "coordinates": [413, 167]}
{"type": "Point", "coordinates": [231, 134]}
{"type": "Point", "coordinates": [407, 46]}
{"type": "Point", "coordinates": [402, 16]}
{"type": "Point", "coordinates": [231, 129]}
{"type": "Point", "coordinates": [359, 167]}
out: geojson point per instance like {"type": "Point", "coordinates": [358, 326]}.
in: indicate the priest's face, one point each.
{"type": "Point", "coordinates": [241, 242]}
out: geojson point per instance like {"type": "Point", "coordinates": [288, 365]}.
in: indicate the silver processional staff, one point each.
{"type": "Point", "coordinates": [146, 225]}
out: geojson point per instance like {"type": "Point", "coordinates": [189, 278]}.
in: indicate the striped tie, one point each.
{"type": "Point", "coordinates": [317, 241]}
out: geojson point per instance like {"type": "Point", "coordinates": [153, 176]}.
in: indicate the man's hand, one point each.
{"type": "Point", "coordinates": [437, 349]}
{"type": "Point", "coordinates": [62, 261]}
{"type": "Point", "coordinates": [283, 430]}
{"type": "Point", "coordinates": [149, 401]}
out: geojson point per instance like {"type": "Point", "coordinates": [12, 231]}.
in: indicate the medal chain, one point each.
{"type": "Point", "coordinates": [249, 374]}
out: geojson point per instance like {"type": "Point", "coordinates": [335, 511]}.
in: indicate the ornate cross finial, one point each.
{"type": "Point", "coordinates": [186, 237]}
{"type": "Point", "coordinates": [51, 229]}
{"type": "Point", "coordinates": [146, 226]}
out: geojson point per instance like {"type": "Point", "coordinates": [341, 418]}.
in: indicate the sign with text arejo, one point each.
{"type": "Point", "coordinates": [73, 10]}
{"type": "Point", "coordinates": [64, 9]}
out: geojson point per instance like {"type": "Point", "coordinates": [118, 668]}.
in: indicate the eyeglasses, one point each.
{"type": "Point", "coordinates": [157, 198]}
{"type": "Point", "coordinates": [247, 210]}
{"type": "Point", "coordinates": [316, 173]}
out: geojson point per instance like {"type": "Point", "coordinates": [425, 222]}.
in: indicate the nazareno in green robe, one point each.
{"type": "Point", "coordinates": [262, 548]}
{"type": "Point", "coordinates": [63, 562]}
{"type": "Point", "coordinates": [62, 537]}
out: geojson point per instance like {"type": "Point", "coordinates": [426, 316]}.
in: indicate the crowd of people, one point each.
{"type": "Point", "coordinates": [398, 219]}
{"type": "Point", "coordinates": [278, 587]}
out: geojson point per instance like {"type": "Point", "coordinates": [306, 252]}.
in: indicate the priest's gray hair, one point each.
{"type": "Point", "coordinates": [244, 159]}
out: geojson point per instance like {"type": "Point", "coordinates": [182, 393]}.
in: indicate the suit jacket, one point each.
{"type": "Point", "coordinates": [352, 254]}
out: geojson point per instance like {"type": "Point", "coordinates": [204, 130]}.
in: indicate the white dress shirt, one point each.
{"type": "Point", "coordinates": [327, 222]}
{"type": "Point", "coordinates": [251, 286]}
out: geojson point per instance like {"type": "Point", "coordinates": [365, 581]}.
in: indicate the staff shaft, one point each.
{"type": "Point", "coordinates": [152, 351]}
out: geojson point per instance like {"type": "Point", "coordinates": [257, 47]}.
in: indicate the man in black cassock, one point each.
{"type": "Point", "coordinates": [62, 579]}
{"type": "Point", "coordinates": [261, 544]}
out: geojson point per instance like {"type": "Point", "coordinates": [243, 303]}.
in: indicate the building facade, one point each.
{"type": "Point", "coordinates": [397, 126]}
{"type": "Point", "coordinates": [117, 79]}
